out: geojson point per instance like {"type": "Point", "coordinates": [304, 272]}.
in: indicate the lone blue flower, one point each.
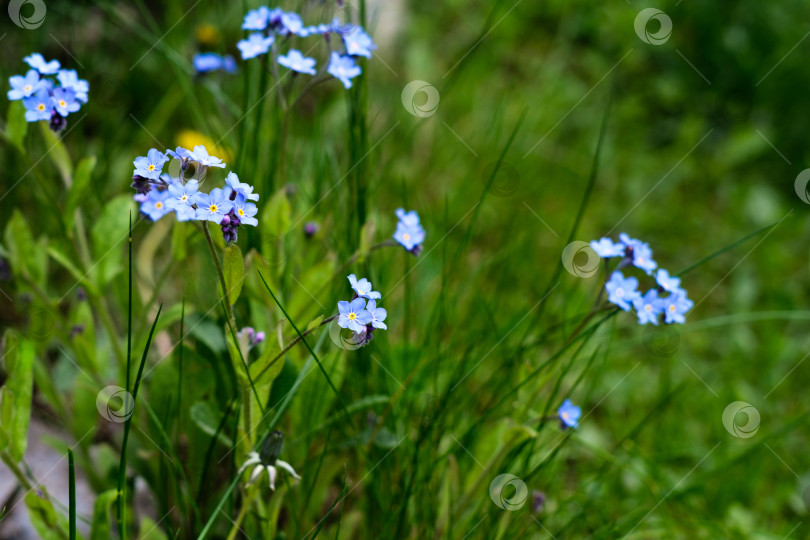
{"type": "Point", "coordinates": [23, 87]}
{"type": "Point", "coordinates": [675, 307]}
{"type": "Point", "coordinates": [240, 188]}
{"type": "Point", "coordinates": [642, 254]}
{"type": "Point", "coordinates": [363, 288]}
{"type": "Point", "coordinates": [605, 247]}
{"type": "Point", "coordinates": [257, 19]}
{"type": "Point", "coordinates": [64, 101]}
{"type": "Point", "coordinates": [569, 414]}
{"type": "Point", "coordinates": [212, 206]}
{"type": "Point", "coordinates": [358, 43]}
{"type": "Point", "coordinates": [296, 61]}
{"type": "Point", "coordinates": [245, 211]}
{"type": "Point", "coordinates": [648, 307]}
{"type": "Point", "coordinates": [37, 62]}
{"type": "Point", "coordinates": [151, 165]}
{"type": "Point", "coordinates": [378, 315]}
{"type": "Point", "coordinates": [343, 68]}
{"type": "Point", "coordinates": [353, 315]}
{"type": "Point", "coordinates": [622, 291]}
{"type": "Point", "coordinates": [38, 106]}
{"type": "Point", "coordinates": [207, 62]}
{"type": "Point", "coordinates": [154, 205]}
{"type": "Point", "coordinates": [68, 78]}
{"type": "Point", "coordinates": [671, 284]}
{"type": "Point", "coordinates": [254, 45]}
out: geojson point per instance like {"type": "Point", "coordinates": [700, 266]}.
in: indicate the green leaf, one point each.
{"type": "Point", "coordinates": [101, 528]}
{"type": "Point", "coordinates": [206, 420]}
{"type": "Point", "coordinates": [15, 408]}
{"type": "Point", "coordinates": [57, 152]}
{"type": "Point", "coordinates": [150, 530]}
{"type": "Point", "coordinates": [275, 219]}
{"type": "Point", "coordinates": [79, 189]}
{"type": "Point", "coordinates": [110, 232]}
{"type": "Point", "coordinates": [16, 125]}
{"type": "Point", "coordinates": [26, 258]}
{"type": "Point", "coordinates": [68, 265]}
{"type": "Point", "coordinates": [261, 371]}
{"type": "Point", "coordinates": [234, 270]}
{"type": "Point", "coordinates": [43, 517]}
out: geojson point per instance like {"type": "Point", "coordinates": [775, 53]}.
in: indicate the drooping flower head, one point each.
{"type": "Point", "coordinates": [235, 187]}
{"type": "Point", "coordinates": [267, 459]}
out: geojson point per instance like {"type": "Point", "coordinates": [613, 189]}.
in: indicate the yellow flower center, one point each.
{"type": "Point", "coordinates": [184, 198]}
{"type": "Point", "coordinates": [27, 88]}
{"type": "Point", "coordinates": [213, 208]}
{"type": "Point", "coordinates": [41, 107]}
{"type": "Point", "coordinates": [62, 103]}
{"type": "Point", "coordinates": [151, 167]}
{"type": "Point", "coordinates": [406, 236]}
{"type": "Point", "coordinates": [648, 308]}
{"type": "Point", "coordinates": [672, 307]}
{"type": "Point", "coordinates": [564, 416]}
{"type": "Point", "coordinates": [158, 205]}
{"type": "Point", "coordinates": [352, 316]}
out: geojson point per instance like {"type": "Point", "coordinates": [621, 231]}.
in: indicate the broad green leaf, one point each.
{"type": "Point", "coordinates": [57, 152]}
{"type": "Point", "coordinates": [275, 219]}
{"type": "Point", "coordinates": [101, 529]}
{"type": "Point", "coordinates": [82, 181]}
{"type": "Point", "coordinates": [259, 370]}
{"type": "Point", "coordinates": [206, 420]}
{"type": "Point", "coordinates": [15, 408]}
{"type": "Point", "coordinates": [16, 125]}
{"type": "Point", "coordinates": [109, 233]}
{"type": "Point", "coordinates": [44, 518]}
{"type": "Point", "coordinates": [23, 252]}
{"type": "Point", "coordinates": [234, 270]}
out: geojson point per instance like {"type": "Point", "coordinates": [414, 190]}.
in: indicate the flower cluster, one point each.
{"type": "Point", "coordinates": [409, 231]}
{"type": "Point", "coordinates": [228, 207]}
{"type": "Point", "coordinates": [207, 62]}
{"type": "Point", "coordinates": [48, 92]}
{"type": "Point", "coordinates": [267, 25]}
{"type": "Point", "coordinates": [623, 291]}
{"type": "Point", "coordinates": [361, 317]}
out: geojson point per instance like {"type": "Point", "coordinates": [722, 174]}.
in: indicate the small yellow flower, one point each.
{"type": "Point", "coordinates": [189, 139]}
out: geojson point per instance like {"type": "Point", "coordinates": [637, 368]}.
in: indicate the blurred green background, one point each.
{"type": "Point", "coordinates": [704, 137]}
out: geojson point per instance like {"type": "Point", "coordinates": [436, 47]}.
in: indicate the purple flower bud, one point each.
{"type": "Point", "coordinates": [259, 338]}
{"type": "Point", "coordinates": [538, 498]}
{"type": "Point", "coordinates": [250, 332]}
{"type": "Point", "coordinates": [226, 221]}
{"type": "Point", "coordinates": [58, 122]}
{"type": "Point", "coordinates": [311, 228]}
{"type": "Point", "coordinates": [142, 185]}
{"type": "Point", "coordinates": [229, 234]}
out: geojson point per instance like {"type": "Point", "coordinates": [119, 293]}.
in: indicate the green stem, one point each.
{"type": "Point", "coordinates": [292, 344]}
{"type": "Point", "coordinates": [212, 248]}
{"type": "Point", "coordinates": [243, 511]}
